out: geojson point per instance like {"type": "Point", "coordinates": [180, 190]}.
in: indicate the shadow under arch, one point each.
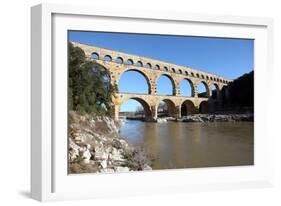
{"type": "Point", "coordinates": [169, 110]}
{"type": "Point", "coordinates": [171, 80]}
{"type": "Point", "coordinates": [187, 108]}
{"type": "Point", "coordinates": [204, 107]}
{"type": "Point", "coordinates": [139, 72]}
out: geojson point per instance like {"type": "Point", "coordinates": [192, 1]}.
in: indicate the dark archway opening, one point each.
{"type": "Point", "coordinates": [187, 108]}
{"type": "Point", "coordinates": [203, 107]}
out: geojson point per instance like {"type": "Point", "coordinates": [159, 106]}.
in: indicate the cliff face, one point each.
{"type": "Point", "coordinates": [95, 146]}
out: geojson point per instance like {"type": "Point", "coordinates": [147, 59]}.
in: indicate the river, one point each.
{"type": "Point", "coordinates": [193, 145]}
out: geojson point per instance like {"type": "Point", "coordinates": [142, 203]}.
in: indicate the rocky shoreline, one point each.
{"type": "Point", "coordinates": [208, 118]}
{"type": "Point", "coordinates": [96, 147]}
{"type": "Point", "coordinates": [218, 118]}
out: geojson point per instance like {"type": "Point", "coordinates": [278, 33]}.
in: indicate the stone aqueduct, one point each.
{"type": "Point", "coordinates": [118, 62]}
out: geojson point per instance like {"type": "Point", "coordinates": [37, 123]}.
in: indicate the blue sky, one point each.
{"type": "Point", "coordinates": [229, 58]}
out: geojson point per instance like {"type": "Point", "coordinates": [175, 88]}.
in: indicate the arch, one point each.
{"type": "Point", "coordinates": [186, 73]}
{"type": "Point", "coordinates": [202, 76]}
{"type": "Point", "coordinates": [203, 90]}
{"type": "Point", "coordinates": [207, 77]}
{"type": "Point", "coordinates": [164, 89]}
{"type": "Point", "coordinates": [107, 58]}
{"type": "Point", "coordinates": [139, 64]}
{"type": "Point", "coordinates": [180, 71]}
{"type": "Point", "coordinates": [197, 75]}
{"type": "Point", "coordinates": [173, 70]}
{"type": "Point", "coordinates": [187, 108]}
{"type": "Point", "coordinates": [148, 65]}
{"type": "Point", "coordinates": [203, 107]}
{"type": "Point", "coordinates": [143, 113]}
{"type": "Point", "coordinates": [119, 60]}
{"type": "Point", "coordinates": [186, 88]}
{"type": "Point", "coordinates": [192, 74]}
{"type": "Point", "coordinates": [166, 108]}
{"type": "Point", "coordinates": [130, 62]}
{"type": "Point", "coordinates": [95, 56]}
{"type": "Point", "coordinates": [157, 67]}
{"type": "Point", "coordinates": [138, 87]}
{"type": "Point", "coordinates": [214, 91]}
{"type": "Point", "coordinates": [211, 78]}
{"type": "Point", "coordinates": [166, 68]}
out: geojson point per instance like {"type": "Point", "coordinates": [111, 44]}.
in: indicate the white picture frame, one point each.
{"type": "Point", "coordinates": [49, 181]}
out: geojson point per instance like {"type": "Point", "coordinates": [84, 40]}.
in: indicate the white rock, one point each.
{"type": "Point", "coordinates": [73, 154]}
{"type": "Point", "coordinates": [100, 154]}
{"type": "Point", "coordinates": [123, 142]}
{"type": "Point", "coordinates": [116, 155]}
{"type": "Point", "coordinates": [122, 169]}
{"type": "Point", "coordinates": [73, 150]}
{"type": "Point", "coordinates": [147, 167]}
{"type": "Point", "coordinates": [107, 170]}
{"type": "Point", "coordinates": [103, 164]}
{"type": "Point", "coordinates": [108, 150]}
{"type": "Point", "coordinates": [85, 153]}
{"type": "Point", "coordinates": [161, 120]}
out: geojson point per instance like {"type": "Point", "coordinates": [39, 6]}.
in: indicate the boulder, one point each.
{"type": "Point", "coordinates": [100, 154]}
{"type": "Point", "coordinates": [107, 170]}
{"type": "Point", "coordinates": [161, 120]}
{"type": "Point", "coordinates": [122, 169]}
{"type": "Point", "coordinates": [146, 167]}
{"type": "Point", "coordinates": [73, 150]}
{"type": "Point", "coordinates": [85, 153]}
{"type": "Point", "coordinates": [103, 164]}
{"type": "Point", "coordinates": [116, 155]}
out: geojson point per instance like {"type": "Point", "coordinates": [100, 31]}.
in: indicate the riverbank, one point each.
{"type": "Point", "coordinates": [218, 118]}
{"type": "Point", "coordinates": [204, 118]}
{"type": "Point", "coordinates": [96, 147]}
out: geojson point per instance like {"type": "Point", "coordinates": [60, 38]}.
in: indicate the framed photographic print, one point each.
{"type": "Point", "coordinates": [137, 102]}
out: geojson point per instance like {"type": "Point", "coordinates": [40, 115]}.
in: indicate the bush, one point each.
{"type": "Point", "coordinates": [137, 158]}
{"type": "Point", "coordinates": [89, 87]}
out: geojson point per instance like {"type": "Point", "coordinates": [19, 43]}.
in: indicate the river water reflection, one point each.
{"type": "Point", "coordinates": [186, 145]}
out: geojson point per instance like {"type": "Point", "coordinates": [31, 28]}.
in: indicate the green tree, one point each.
{"type": "Point", "coordinates": [89, 87]}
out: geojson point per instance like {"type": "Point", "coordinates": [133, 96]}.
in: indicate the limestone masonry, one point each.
{"type": "Point", "coordinates": [117, 63]}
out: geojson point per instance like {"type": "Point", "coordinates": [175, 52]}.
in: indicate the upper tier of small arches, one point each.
{"type": "Point", "coordinates": [156, 66]}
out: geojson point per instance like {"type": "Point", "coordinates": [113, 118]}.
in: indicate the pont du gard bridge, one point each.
{"type": "Point", "coordinates": [116, 63]}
